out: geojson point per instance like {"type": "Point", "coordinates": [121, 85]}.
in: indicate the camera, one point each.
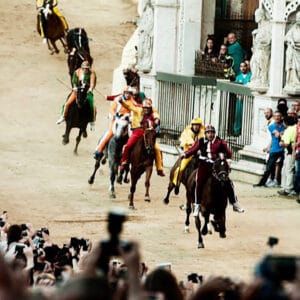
{"type": "Point", "coordinates": [272, 241]}
{"type": "Point", "coordinates": [19, 249]}
{"type": "Point", "coordinates": [195, 278]}
{"type": "Point", "coordinates": [111, 246]}
{"type": "Point", "coordinates": [279, 268]}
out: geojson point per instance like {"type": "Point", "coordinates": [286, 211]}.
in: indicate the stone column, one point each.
{"type": "Point", "coordinates": [277, 49]}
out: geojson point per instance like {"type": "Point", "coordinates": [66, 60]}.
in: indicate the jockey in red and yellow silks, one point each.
{"type": "Point", "coordinates": [88, 76]}
{"type": "Point", "coordinates": [40, 4]}
{"type": "Point", "coordinates": [141, 115]}
{"type": "Point", "coordinates": [115, 108]}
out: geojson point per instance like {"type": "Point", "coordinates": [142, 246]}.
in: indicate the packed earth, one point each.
{"type": "Point", "coordinates": [44, 183]}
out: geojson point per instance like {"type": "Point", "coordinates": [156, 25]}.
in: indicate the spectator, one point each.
{"type": "Point", "coordinates": [297, 160]}
{"type": "Point", "coordinates": [236, 51]}
{"type": "Point", "coordinates": [282, 106]}
{"type": "Point", "coordinates": [243, 78]}
{"type": "Point", "coordinates": [287, 141]}
{"type": "Point", "coordinates": [296, 106]}
{"type": "Point", "coordinates": [228, 62]}
{"type": "Point", "coordinates": [210, 52]}
{"type": "Point", "coordinates": [276, 152]}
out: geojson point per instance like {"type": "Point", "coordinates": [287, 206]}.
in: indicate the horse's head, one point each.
{"type": "Point", "coordinates": [120, 127]}
{"type": "Point", "coordinates": [47, 11]}
{"type": "Point", "coordinates": [149, 139]}
{"type": "Point", "coordinates": [221, 169]}
{"type": "Point", "coordinates": [82, 92]}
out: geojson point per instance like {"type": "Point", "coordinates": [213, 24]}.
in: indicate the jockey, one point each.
{"type": "Point", "coordinates": [87, 76]}
{"type": "Point", "coordinates": [141, 116]}
{"type": "Point", "coordinates": [115, 109]}
{"type": "Point", "coordinates": [210, 147]}
{"type": "Point", "coordinates": [188, 137]}
{"type": "Point", "coordinates": [41, 4]}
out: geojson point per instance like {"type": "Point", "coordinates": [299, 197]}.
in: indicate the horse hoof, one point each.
{"type": "Point", "coordinates": [131, 207]}
{"type": "Point", "coordinates": [200, 245]}
{"type": "Point", "coordinates": [147, 199]}
{"type": "Point", "coordinates": [126, 180]}
{"type": "Point", "coordinates": [119, 179]}
{"type": "Point", "coordinates": [103, 161]}
{"type": "Point", "coordinates": [91, 180]}
{"type": "Point", "coordinates": [112, 196]}
{"type": "Point", "coordinates": [222, 235]}
{"type": "Point", "coordinates": [84, 134]}
{"type": "Point", "coordinates": [186, 229]}
{"type": "Point", "coordinates": [166, 201]}
{"type": "Point", "coordinates": [65, 142]}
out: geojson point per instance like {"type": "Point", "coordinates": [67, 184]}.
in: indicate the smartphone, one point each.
{"type": "Point", "coordinates": [19, 249]}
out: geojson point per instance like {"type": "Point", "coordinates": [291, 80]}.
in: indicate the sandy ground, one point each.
{"type": "Point", "coordinates": [42, 182]}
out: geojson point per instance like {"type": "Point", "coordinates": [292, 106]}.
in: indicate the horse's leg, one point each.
{"type": "Point", "coordinates": [147, 183]}
{"type": "Point", "coordinates": [134, 180]}
{"type": "Point", "coordinates": [64, 43]}
{"type": "Point", "coordinates": [54, 46]}
{"type": "Point", "coordinates": [78, 139]}
{"type": "Point", "coordinates": [188, 211]}
{"type": "Point", "coordinates": [66, 134]}
{"type": "Point", "coordinates": [92, 178]}
{"type": "Point", "coordinates": [198, 227]}
{"type": "Point", "coordinates": [49, 47]}
{"type": "Point", "coordinates": [204, 230]}
{"type": "Point", "coordinates": [126, 179]}
{"type": "Point", "coordinates": [222, 226]}
{"type": "Point", "coordinates": [113, 172]}
{"type": "Point", "coordinates": [170, 189]}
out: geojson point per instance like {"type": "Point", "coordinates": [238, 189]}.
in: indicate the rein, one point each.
{"type": "Point", "coordinates": [217, 175]}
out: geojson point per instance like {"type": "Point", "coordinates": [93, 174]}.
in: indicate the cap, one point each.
{"type": "Point", "coordinates": [209, 128]}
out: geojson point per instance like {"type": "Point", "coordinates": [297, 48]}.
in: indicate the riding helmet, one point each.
{"type": "Point", "coordinates": [196, 121]}
{"type": "Point", "coordinates": [128, 89]}
{"type": "Point", "coordinates": [147, 103]}
{"type": "Point", "coordinates": [85, 65]}
{"type": "Point", "coordinates": [210, 128]}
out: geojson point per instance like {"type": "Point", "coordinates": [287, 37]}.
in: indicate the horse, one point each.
{"type": "Point", "coordinates": [141, 160]}
{"type": "Point", "coordinates": [213, 201]}
{"type": "Point", "coordinates": [78, 49]}
{"type": "Point", "coordinates": [132, 77]}
{"type": "Point", "coordinates": [54, 29]}
{"type": "Point", "coordinates": [184, 175]}
{"type": "Point", "coordinates": [79, 115]}
{"type": "Point", "coordinates": [113, 152]}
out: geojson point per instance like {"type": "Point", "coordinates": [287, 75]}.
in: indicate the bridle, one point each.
{"type": "Point", "coordinates": [221, 175]}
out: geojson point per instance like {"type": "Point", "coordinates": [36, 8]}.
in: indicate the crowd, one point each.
{"type": "Point", "coordinates": [282, 166]}
{"type": "Point", "coordinates": [33, 267]}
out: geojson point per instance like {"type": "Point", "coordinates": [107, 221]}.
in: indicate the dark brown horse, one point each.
{"type": "Point", "coordinates": [141, 160]}
{"type": "Point", "coordinates": [213, 200]}
{"type": "Point", "coordinates": [132, 77]}
{"type": "Point", "coordinates": [79, 115]}
{"type": "Point", "coordinates": [184, 175]}
{"type": "Point", "coordinates": [78, 49]}
{"type": "Point", "coordinates": [54, 29]}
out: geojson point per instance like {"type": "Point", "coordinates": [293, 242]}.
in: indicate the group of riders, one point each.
{"type": "Point", "coordinates": [196, 138]}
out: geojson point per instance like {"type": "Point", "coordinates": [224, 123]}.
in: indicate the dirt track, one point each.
{"type": "Point", "coordinates": [44, 183]}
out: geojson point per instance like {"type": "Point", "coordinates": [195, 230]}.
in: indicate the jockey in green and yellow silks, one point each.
{"type": "Point", "coordinates": [87, 76]}
{"type": "Point", "coordinates": [40, 4]}
{"type": "Point", "coordinates": [189, 136]}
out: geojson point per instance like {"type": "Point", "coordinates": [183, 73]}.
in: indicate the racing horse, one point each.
{"type": "Point", "coordinates": [113, 151]}
{"type": "Point", "coordinates": [141, 160]}
{"type": "Point", "coordinates": [213, 199]}
{"type": "Point", "coordinates": [132, 77]}
{"type": "Point", "coordinates": [79, 115]}
{"type": "Point", "coordinates": [54, 29]}
{"type": "Point", "coordinates": [78, 49]}
{"type": "Point", "coordinates": [184, 175]}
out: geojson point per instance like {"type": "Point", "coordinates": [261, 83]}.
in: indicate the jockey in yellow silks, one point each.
{"type": "Point", "coordinates": [188, 137]}
{"type": "Point", "coordinates": [40, 4]}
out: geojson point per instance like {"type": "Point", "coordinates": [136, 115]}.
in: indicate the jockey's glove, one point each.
{"type": "Point", "coordinates": [75, 88]}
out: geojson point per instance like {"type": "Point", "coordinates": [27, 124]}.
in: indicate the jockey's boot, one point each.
{"type": "Point", "coordinates": [60, 120]}
{"type": "Point", "coordinates": [98, 155]}
{"type": "Point", "coordinates": [161, 173]}
{"type": "Point", "coordinates": [44, 41]}
{"type": "Point", "coordinates": [237, 208]}
{"type": "Point", "coordinates": [196, 209]}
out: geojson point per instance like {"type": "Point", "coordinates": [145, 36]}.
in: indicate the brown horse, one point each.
{"type": "Point", "coordinates": [54, 29]}
{"type": "Point", "coordinates": [184, 175]}
{"type": "Point", "coordinates": [141, 160]}
{"type": "Point", "coordinates": [213, 199]}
